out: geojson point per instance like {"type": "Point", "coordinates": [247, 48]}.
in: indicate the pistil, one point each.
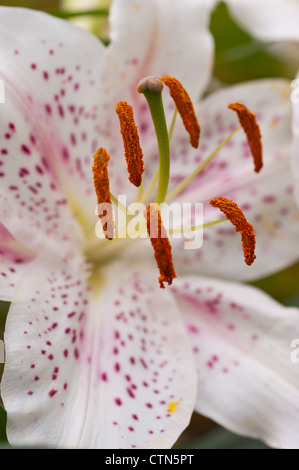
{"type": "Point", "coordinates": [147, 193]}
{"type": "Point", "coordinates": [151, 88]}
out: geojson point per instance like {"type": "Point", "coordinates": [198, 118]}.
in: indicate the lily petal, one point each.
{"type": "Point", "coordinates": [14, 261]}
{"type": "Point", "coordinates": [242, 339]}
{"type": "Point", "coordinates": [149, 38]}
{"type": "Point", "coordinates": [162, 45]}
{"type": "Point", "coordinates": [269, 20]}
{"type": "Point", "coordinates": [266, 198]}
{"type": "Point", "coordinates": [62, 86]}
{"type": "Point", "coordinates": [52, 73]}
{"type": "Point", "coordinates": [109, 368]}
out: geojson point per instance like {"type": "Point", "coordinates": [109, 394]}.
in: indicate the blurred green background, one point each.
{"type": "Point", "coordinates": [239, 57]}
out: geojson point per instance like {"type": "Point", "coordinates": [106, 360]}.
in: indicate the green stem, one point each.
{"type": "Point", "coordinates": [152, 90]}
{"type": "Point", "coordinates": [73, 14]}
{"type": "Point", "coordinates": [154, 180]}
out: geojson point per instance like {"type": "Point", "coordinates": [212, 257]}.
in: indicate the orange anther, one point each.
{"type": "Point", "coordinates": [101, 185]}
{"type": "Point", "coordinates": [238, 219]}
{"type": "Point", "coordinates": [185, 108]}
{"type": "Point", "coordinates": [133, 151]}
{"type": "Point", "coordinates": [251, 128]}
{"type": "Point", "coordinates": [161, 245]}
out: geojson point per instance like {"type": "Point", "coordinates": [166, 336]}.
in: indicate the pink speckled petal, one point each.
{"type": "Point", "coordinates": [241, 340]}
{"type": "Point", "coordinates": [266, 198]}
{"type": "Point", "coordinates": [152, 37]}
{"type": "Point", "coordinates": [172, 28]}
{"type": "Point", "coordinates": [96, 369]}
{"type": "Point", "coordinates": [52, 74]}
{"type": "Point", "coordinates": [14, 261]}
{"type": "Point", "coordinates": [269, 20]}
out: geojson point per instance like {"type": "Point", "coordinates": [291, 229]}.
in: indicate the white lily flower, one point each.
{"type": "Point", "coordinates": [268, 20]}
{"type": "Point", "coordinates": [97, 355]}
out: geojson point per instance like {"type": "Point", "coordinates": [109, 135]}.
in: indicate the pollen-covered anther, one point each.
{"type": "Point", "coordinates": [251, 128]}
{"type": "Point", "coordinates": [101, 185]}
{"type": "Point", "coordinates": [133, 151]}
{"type": "Point", "coordinates": [185, 108]}
{"type": "Point", "coordinates": [161, 245]}
{"type": "Point", "coordinates": [235, 215]}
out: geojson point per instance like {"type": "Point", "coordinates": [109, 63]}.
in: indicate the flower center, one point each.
{"type": "Point", "coordinates": [149, 219]}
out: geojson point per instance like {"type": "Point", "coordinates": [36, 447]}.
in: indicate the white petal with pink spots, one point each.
{"type": "Point", "coordinates": [48, 125]}
{"type": "Point", "coordinates": [266, 198]}
{"type": "Point", "coordinates": [96, 370]}
{"type": "Point", "coordinates": [14, 261]}
{"type": "Point", "coordinates": [96, 362]}
{"type": "Point", "coordinates": [242, 344]}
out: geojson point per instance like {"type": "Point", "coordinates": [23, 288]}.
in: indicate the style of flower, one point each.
{"type": "Point", "coordinates": [97, 355]}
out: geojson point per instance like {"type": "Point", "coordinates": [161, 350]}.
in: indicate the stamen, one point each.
{"type": "Point", "coordinates": [185, 108]}
{"type": "Point", "coordinates": [194, 228]}
{"type": "Point", "coordinates": [237, 218]}
{"type": "Point", "coordinates": [161, 245]}
{"type": "Point", "coordinates": [101, 185]}
{"type": "Point", "coordinates": [251, 128]}
{"type": "Point", "coordinates": [133, 151]}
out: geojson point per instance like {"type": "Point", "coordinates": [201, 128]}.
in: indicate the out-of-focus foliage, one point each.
{"type": "Point", "coordinates": [97, 23]}
{"type": "Point", "coordinates": [36, 4]}
{"type": "Point", "coordinates": [239, 57]}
